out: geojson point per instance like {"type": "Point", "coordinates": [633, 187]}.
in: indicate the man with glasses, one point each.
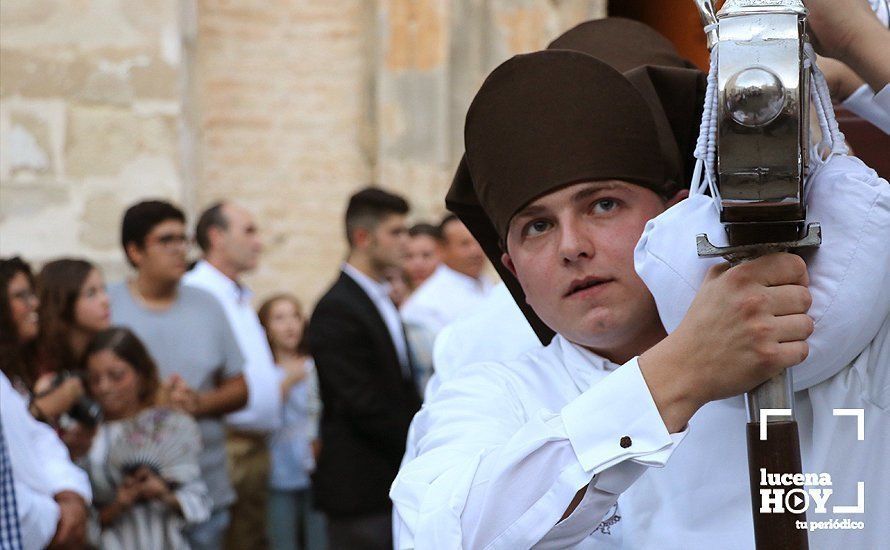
{"type": "Point", "coordinates": [187, 334]}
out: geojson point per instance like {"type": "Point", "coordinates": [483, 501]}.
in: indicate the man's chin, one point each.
{"type": "Point", "coordinates": [596, 327]}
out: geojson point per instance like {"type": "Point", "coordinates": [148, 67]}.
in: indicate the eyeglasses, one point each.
{"type": "Point", "coordinates": [171, 241]}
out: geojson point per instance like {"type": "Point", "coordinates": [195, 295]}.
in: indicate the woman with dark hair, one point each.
{"type": "Point", "coordinates": [143, 464]}
{"type": "Point", "coordinates": [18, 322]}
{"type": "Point", "coordinates": [73, 308]}
{"type": "Point", "coordinates": [294, 447]}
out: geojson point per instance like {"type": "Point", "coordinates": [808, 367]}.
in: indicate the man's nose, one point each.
{"type": "Point", "coordinates": [575, 242]}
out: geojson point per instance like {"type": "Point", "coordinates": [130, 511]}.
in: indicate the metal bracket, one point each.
{"type": "Point", "coordinates": [736, 254]}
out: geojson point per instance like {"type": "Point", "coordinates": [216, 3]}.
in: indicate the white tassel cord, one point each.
{"type": "Point", "coordinates": [706, 145]}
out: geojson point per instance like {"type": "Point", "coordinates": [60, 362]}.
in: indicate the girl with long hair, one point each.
{"type": "Point", "coordinates": [73, 309]}
{"type": "Point", "coordinates": [294, 447]}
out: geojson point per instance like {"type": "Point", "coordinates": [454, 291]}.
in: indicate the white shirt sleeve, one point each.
{"type": "Point", "coordinates": [871, 106]}
{"type": "Point", "coordinates": [263, 410]}
{"type": "Point", "coordinates": [849, 279]}
{"type": "Point", "coordinates": [39, 516]}
{"type": "Point", "coordinates": [41, 468]}
{"type": "Point", "coordinates": [486, 476]}
{"type": "Point", "coordinates": [262, 413]}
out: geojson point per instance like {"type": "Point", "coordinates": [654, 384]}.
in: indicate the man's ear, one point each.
{"type": "Point", "coordinates": [134, 253]}
{"type": "Point", "coordinates": [678, 196]}
{"type": "Point", "coordinates": [214, 234]}
{"type": "Point", "coordinates": [508, 263]}
{"type": "Point", "coordinates": [360, 237]}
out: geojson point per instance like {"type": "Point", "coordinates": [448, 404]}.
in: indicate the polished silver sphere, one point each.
{"type": "Point", "coordinates": [754, 96]}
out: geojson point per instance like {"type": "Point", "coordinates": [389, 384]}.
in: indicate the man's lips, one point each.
{"type": "Point", "coordinates": [580, 285]}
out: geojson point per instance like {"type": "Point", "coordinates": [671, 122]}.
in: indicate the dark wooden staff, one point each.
{"type": "Point", "coordinates": [761, 94]}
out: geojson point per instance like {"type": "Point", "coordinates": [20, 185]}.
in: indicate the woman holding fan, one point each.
{"type": "Point", "coordinates": [143, 464]}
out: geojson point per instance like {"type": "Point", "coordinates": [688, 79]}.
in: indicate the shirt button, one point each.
{"type": "Point", "coordinates": [625, 442]}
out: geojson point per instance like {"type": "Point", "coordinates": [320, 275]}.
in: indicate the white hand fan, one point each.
{"type": "Point", "coordinates": [161, 440]}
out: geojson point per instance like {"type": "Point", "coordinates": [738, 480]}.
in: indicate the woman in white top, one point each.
{"type": "Point", "coordinates": [293, 521]}
{"type": "Point", "coordinates": [143, 464]}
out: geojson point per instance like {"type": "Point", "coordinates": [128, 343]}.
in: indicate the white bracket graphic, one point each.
{"type": "Point", "coordinates": [764, 418]}
{"type": "Point", "coordinates": [860, 502]}
{"type": "Point", "coordinates": [860, 420]}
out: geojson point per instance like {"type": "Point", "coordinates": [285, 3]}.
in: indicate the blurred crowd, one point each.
{"type": "Point", "coordinates": [174, 410]}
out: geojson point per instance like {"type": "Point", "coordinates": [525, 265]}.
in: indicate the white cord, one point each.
{"type": "Point", "coordinates": [706, 145]}
{"type": "Point", "coordinates": [823, 98]}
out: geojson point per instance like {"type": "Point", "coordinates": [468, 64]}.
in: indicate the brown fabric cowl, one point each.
{"type": "Point", "coordinates": [679, 85]}
{"type": "Point", "coordinates": [565, 118]}
{"type": "Point", "coordinates": [623, 43]}
{"type": "Point", "coordinates": [549, 119]}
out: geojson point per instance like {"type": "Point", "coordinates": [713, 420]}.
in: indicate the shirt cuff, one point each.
{"type": "Point", "coordinates": [614, 421]}
{"type": "Point", "coordinates": [262, 413]}
{"type": "Point", "coordinates": [871, 106]}
{"type": "Point", "coordinates": [66, 476]}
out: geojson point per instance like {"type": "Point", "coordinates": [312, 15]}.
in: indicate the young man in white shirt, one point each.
{"type": "Point", "coordinates": [229, 237]}
{"type": "Point", "coordinates": [537, 450]}
{"type": "Point", "coordinates": [663, 509]}
{"type": "Point", "coordinates": [458, 284]}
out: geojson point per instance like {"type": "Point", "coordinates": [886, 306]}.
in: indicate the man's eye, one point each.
{"type": "Point", "coordinates": [604, 205]}
{"type": "Point", "coordinates": [536, 227]}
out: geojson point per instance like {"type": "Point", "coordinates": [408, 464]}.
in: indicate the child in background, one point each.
{"type": "Point", "coordinates": [293, 521]}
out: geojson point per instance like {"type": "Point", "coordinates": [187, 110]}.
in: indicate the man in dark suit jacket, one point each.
{"type": "Point", "coordinates": [363, 361]}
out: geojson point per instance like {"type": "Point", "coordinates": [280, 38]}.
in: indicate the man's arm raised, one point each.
{"type": "Point", "coordinates": [746, 325]}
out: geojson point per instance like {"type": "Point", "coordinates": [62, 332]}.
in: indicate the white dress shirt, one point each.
{"type": "Point", "coordinates": [378, 292]}
{"type": "Point", "coordinates": [498, 453]}
{"type": "Point", "coordinates": [263, 410]}
{"type": "Point", "coordinates": [41, 468]}
{"type": "Point", "coordinates": [873, 107]}
{"type": "Point", "coordinates": [701, 499]}
{"type": "Point", "coordinates": [444, 298]}
{"type": "Point", "coordinates": [498, 331]}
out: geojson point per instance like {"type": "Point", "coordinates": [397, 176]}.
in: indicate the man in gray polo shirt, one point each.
{"type": "Point", "coordinates": [187, 334]}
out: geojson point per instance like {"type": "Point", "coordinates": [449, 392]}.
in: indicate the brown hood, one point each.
{"type": "Point", "coordinates": [549, 119]}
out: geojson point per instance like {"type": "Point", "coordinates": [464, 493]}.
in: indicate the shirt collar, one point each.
{"type": "Point", "coordinates": [460, 278]}
{"type": "Point", "coordinates": [581, 363]}
{"type": "Point", "coordinates": [215, 278]}
{"type": "Point", "coordinates": [371, 287]}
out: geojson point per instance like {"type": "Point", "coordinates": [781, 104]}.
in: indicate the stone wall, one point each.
{"type": "Point", "coordinates": [90, 120]}
{"type": "Point", "coordinates": [285, 106]}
